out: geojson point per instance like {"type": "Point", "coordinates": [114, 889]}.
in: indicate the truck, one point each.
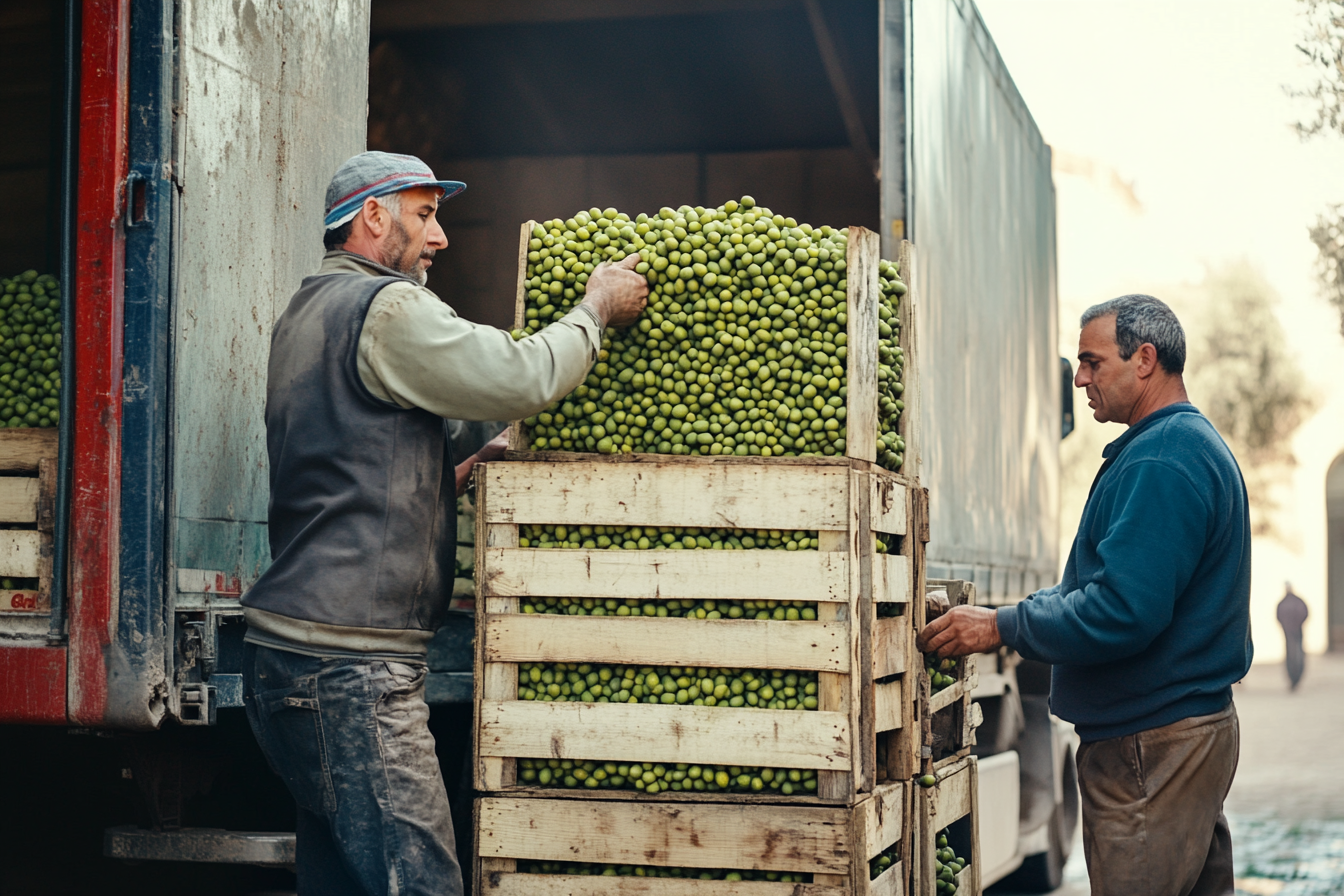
{"type": "Point", "coordinates": [177, 154]}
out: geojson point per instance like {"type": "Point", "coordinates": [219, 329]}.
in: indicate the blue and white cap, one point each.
{"type": "Point", "coordinates": [377, 174]}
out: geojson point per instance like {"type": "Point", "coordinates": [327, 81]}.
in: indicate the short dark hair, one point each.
{"type": "Point", "coordinates": [337, 236]}
{"type": "Point", "coordinates": [1139, 319]}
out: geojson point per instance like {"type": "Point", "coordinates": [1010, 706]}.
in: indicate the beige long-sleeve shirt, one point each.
{"type": "Point", "coordinates": [416, 352]}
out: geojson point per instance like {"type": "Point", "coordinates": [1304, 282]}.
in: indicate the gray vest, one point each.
{"type": "Point", "coordinates": [363, 521]}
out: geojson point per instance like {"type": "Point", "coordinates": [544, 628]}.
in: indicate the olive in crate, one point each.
{"type": "Point", "coordinates": [30, 350]}
{"type": "Point", "coordinates": [742, 348]}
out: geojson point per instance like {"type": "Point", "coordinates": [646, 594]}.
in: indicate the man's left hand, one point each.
{"type": "Point", "coordinates": [494, 449]}
{"type": "Point", "coordinates": [961, 631]}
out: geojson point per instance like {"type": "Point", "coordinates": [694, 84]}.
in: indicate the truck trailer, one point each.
{"type": "Point", "coordinates": [179, 168]}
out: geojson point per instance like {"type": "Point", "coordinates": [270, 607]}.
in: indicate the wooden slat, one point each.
{"type": "Point", "coordinates": [863, 289]}
{"type": "Point", "coordinates": [863, 549]}
{"type": "Point", "coordinates": [517, 438]}
{"type": "Point", "coordinates": [887, 700]}
{"type": "Point", "coordinates": [832, 689]}
{"type": "Point", "coordinates": [20, 553]}
{"type": "Point", "coordinates": [666, 575]}
{"type": "Point", "coordinates": [586, 885]}
{"type": "Point", "coordinates": [519, 638]}
{"type": "Point", "coordinates": [947, 696]}
{"type": "Point", "coordinates": [637, 732]}
{"type": "Point", "coordinates": [891, 640]}
{"type": "Point", "coordinates": [21, 449]}
{"type": "Point", "coordinates": [950, 798]}
{"type": "Point", "coordinates": [496, 681]}
{"type": "Point", "coordinates": [891, 578]}
{"type": "Point", "coordinates": [909, 425]}
{"type": "Point", "coordinates": [46, 501]}
{"type": "Point", "coordinates": [888, 505]}
{"type": "Point", "coordinates": [891, 883]}
{"type": "Point", "coordinates": [883, 818]}
{"type": "Point", "coordinates": [749, 496]}
{"type": "Point", "coordinates": [18, 499]}
{"type": "Point", "coordinates": [686, 835]}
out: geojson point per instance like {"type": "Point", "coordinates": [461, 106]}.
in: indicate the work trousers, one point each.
{"type": "Point", "coordinates": [1153, 822]}
{"type": "Point", "coordinates": [350, 738]}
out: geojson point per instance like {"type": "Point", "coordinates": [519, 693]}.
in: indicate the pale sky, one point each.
{"type": "Point", "coordinates": [1184, 101]}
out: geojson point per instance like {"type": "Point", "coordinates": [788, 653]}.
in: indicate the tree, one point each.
{"type": "Point", "coordinates": [1241, 374]}
{"type": "Point", "coordinates": [1323, 48]}
{"type": "Point", "coordinates": [1328, 235]}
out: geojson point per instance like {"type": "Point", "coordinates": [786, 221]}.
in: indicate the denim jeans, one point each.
{"type": "Point", "coordinates": [350, 738]}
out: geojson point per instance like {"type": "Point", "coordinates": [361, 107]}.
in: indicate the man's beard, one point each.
{"type": "Point", "coordinates": [395, 254]}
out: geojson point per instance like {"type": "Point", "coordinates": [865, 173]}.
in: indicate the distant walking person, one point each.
{"type": "Point", "coordinates": [1292, 613]}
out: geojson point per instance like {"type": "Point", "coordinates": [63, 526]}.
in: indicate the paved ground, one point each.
{"type": "Point", "coordinates": [1286, 807]}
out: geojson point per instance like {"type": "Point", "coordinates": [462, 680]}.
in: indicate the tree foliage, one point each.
{"type": "Point", "coordinates": [1323, 47]}
{"type": "Point", "coordinates": [1328, 235]}
{"type": "Point", "coordinates": [1243, 377]}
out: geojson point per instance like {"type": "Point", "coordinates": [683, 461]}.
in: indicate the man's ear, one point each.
{"type": "Point", "coordinates": [375, 217]}
{"type": "Point", "coordinates": [1147, 360]}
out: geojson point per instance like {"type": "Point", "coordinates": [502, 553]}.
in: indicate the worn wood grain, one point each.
{"type": "Point", "coordinates": [887, 700]}
{"type": "Point", "coordinates": [18, 499]}
{"type": "Point", "coordinates": [955, 796]}
{"type": "Point", "coordinates": [20, 553]}
{"type": "Point", "coordinates": [887, 505]}
{"type": "Point", "coordinates": [891, 883]}
{"type": "Point", "coordinates": [909, 426]}
{"type": "Point", "coordinates": [584, 885]}
{"type": "Point", "coordinates": [863, 547]}
{"type": "Point", "coordinates": [751, 496]}
{"type": "Point", "coordinates": [891, 578]}
{"type": "Point", "coordinates": [890, 646]}
{"type": "Point", "coordinates": [863, 291]}
{"type": "Point", "coordinates": [517, 438]}
{"type": "Point", "coordinates": [658, 733]}
{"type": "Point", "coordinates": [46, 501]}
{"type": "Point", "coordinates": [776, 838]}
{"type": "Point", "coordinates": [519, 638]}
{"type": "Point", "coordinates": [495, 681]}
{"type": "Point", "coordinates": [22, 448]}
{"type": "Point", "coordinates": [665, 575]}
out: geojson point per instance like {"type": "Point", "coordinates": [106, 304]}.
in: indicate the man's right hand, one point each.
{"type": "Point", "coordinates": [616, 292]}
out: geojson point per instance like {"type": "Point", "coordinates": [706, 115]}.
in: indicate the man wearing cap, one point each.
{"type": "Point", "coordinates": [365, 365]}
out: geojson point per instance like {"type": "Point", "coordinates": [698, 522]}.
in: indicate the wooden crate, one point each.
{"type": "Point", "coordinates": [863, 294]}
{"type": "Point", "coordinates": [952, 801]}
{"type": "Point", "coordinates": [27, 516]}
{"type": "Point", "coordinates": [861, 659]}
{"type": "Point", "coordinates": [947, 719]}
{"type": "Point", "coordinates": [833, 844]}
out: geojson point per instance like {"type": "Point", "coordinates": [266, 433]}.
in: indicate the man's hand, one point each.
{"type": "Point", "coordinates": [616, 292]}
{"type": "Point", "coordinates": [493, 449]}
{"type": "Point", "coordinates": [961, 631]}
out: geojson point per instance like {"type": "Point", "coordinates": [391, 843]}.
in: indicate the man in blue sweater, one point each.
{"type": "Point", "coordinates": [1150, 627]}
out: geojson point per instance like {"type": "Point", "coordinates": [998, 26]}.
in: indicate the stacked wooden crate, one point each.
{"type": "Point", "coordinates": [862, 744]}
{"type": "Point", "coordinates": [27, 517]}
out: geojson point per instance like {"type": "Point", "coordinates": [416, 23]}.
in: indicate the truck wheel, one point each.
{"type": "Point", "coordinates": [1044, 871]}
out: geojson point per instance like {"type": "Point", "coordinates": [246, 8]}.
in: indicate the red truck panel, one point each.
{"type": "Point", "coordinates": [32, 685]}
{"type": "Point", "coordinates": [99, 261]}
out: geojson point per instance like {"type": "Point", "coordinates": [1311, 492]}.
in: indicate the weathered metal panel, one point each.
{"type": "Point", "coordinates": [32, 685]}
{"type": "Point", "coordinates": [97, 350]}
{"type": "Point", "coordinates": [273, 99]}
{"type": "Point", "coordinates": [981, 210]}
